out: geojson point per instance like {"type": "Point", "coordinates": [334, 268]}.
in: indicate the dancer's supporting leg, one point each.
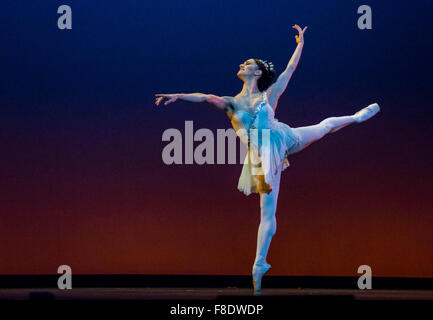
{"type": "Point", "coordinates": [267, 229]}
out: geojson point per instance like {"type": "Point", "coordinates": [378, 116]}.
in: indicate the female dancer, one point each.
{"type": "Point", "coordinates": [246, 114]}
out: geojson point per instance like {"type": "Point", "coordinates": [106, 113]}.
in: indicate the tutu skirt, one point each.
{"type": "Point", "coordinates": [268, 151]}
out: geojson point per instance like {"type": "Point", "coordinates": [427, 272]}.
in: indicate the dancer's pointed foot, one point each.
{"type": "Point", "coordinates": [258, 272]}
{"type": "Point", "coordinates": [366, 113]}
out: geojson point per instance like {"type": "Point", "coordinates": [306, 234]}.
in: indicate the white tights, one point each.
{"type": "Point", "coordinates": [268, 202]}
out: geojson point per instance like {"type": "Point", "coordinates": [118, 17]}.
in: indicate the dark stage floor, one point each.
{"type": "Point", "coordinates": [148, 294]}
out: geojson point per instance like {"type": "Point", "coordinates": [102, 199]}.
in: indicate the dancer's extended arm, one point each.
{"type": "Point", "coordinates": [222, 103]}
{"type": "Point", "coordinates": [279, 86]}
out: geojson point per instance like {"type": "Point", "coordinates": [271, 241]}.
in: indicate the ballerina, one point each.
{"type": "Point", "coordinates": [254, 108]}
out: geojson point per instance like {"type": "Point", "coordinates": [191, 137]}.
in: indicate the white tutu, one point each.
{"type": "Point", "coordinates": [269, 144]}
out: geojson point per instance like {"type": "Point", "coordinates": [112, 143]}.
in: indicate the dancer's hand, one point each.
{"type": "Point", "coordinates": [171, 98]}
{"type": "Point", "coordinates": [299, 38]}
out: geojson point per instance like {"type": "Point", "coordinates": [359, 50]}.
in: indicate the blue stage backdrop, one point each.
{"type": "Point", "coordinates": [82, 181]}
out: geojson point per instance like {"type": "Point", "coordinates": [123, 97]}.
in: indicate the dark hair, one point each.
{"type": "Point", "coordinates": [268, 74]}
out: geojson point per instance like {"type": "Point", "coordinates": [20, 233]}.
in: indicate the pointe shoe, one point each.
{"type": "Point", "coordinates": [366, 113]}
{"type": "Point", "coordinates": [258, 272]}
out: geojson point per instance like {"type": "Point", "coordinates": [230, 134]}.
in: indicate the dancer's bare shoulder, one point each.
{"type": "Point", "coordinates": [229, 105]}
{"type": "Point", "coordinates": [221, 102]}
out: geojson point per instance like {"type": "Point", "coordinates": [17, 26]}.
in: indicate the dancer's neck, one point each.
{"type": "Point", "coordinates": [249, 88]}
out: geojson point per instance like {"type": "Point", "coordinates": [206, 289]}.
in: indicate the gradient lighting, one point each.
{"type": "Point", "coordinates": [82, 181]}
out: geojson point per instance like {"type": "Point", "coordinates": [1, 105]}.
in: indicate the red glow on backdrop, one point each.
{"type": "Point", "coordinates": [73, 198]}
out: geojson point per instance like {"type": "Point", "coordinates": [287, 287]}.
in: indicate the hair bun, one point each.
{"type": "Point", "coordinates": [268, 76]}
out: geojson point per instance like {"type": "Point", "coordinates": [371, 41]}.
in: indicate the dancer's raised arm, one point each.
{"type": "Point", "coordinates": [222, 103]}
{"type": "Point", "coordinates": [278, 87]}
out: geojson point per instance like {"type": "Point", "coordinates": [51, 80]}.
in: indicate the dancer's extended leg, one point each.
{"type": "Point", "coordinates": [310, 134]}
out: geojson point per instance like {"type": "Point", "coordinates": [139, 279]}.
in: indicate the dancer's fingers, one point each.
{"type": "Point", "coordinates": [158, 100]}
{"type": "Point", "coordinates": [304, 29]}
{"type": "Point", "coordinates": [169, 101]}
{"type": "Point", "coordinates": [170, 98]}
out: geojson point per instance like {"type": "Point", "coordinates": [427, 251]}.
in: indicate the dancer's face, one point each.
{"type": "Point", "coordinates": [249, 69]}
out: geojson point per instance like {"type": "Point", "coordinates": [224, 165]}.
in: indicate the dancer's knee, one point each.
{"type": "Point", "coordinates": [327, 125]}
{"type": "Point", "coordinates": [267, 218]}
{"type": "Point", "coordinates": [269, 225]}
